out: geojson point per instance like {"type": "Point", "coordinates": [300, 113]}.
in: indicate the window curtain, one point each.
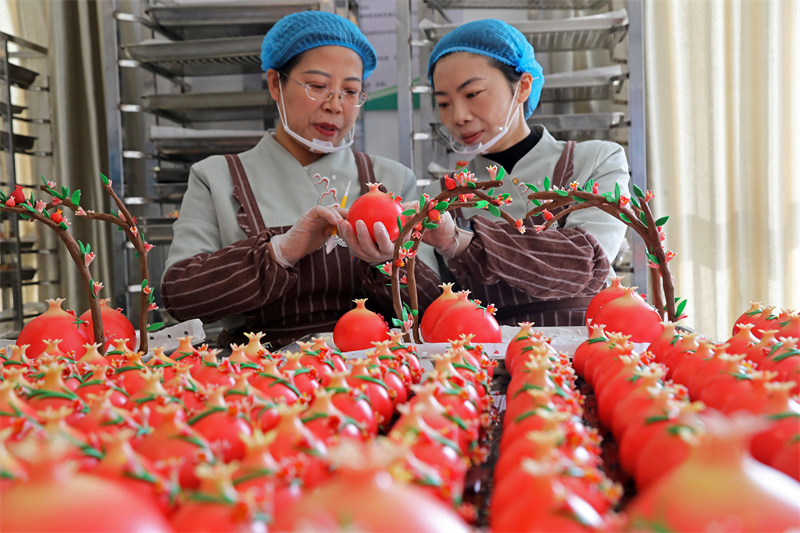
{"type": "Point", "coordinates": [723, 122]}
{"type": "Point", "coordinates": [70, 29]}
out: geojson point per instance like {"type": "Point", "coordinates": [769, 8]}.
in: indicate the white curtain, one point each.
{"type": "Point", "coordinates": [723, 112]}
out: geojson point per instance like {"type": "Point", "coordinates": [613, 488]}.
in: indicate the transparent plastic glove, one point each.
{"type": "Point", "coordinates": [362, 245]}
{"type": "Point", "coordinates": [307, 235]}
{"type": "Point", "coordinates": [448, 239]}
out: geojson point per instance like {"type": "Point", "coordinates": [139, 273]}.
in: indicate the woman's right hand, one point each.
{"type": "Point", "coordinates": [308, 234]}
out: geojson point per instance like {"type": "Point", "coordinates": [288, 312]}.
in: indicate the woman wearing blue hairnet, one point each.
{"type": "Point", "coordinates": [248, 245]}
{"type": "Point", "coordinates": [486, 83]}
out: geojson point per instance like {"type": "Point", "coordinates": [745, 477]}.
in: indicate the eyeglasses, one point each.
{"type": "Point", "coordinates": [320, 92]}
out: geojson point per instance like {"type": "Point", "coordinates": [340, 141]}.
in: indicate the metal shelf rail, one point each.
{"type": "Point", "coordinates": [13, 274]}
{"type": "Point", "coordinates": [608, 30]}
{"type": "Point", "coordinates": [184, 44]}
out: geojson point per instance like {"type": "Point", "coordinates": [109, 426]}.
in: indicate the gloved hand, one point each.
{"type": "Point", "coordinates": [307, 235]}
{"type": "Point", "coordinates": [362, 245]}
{"type": "Point", "coordinates": [448, 239]}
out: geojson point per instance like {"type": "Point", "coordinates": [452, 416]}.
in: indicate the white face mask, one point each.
{"type": "Point", "coordinates": [317, 146]}
{"type": "Point", "coordinates": [481, 148]}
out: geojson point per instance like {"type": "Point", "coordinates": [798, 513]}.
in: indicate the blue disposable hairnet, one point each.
{"type": "Point", "coordinates": [498, 40]}
{"type": "Point", "coordinates": [298, 32]}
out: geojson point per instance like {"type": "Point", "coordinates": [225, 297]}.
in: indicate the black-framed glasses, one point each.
{"type": "Point", "coordinates": [319, 92]}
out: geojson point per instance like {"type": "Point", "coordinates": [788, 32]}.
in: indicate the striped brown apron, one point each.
{"type": "Point", "coordinates": [305, 298]}
{"type": "Point", "coordinates": [562, 312]}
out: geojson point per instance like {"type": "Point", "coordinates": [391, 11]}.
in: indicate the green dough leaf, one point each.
{"type": "Point", "coordinates": [155, 327]}
{"type": "Point", "coordinates": [76, 197]}
{"type": "Point", "coordinates": [625, 218]}
{"type": "Point", "coordinates": [661, 221]}
{"type": "Point", "coordinates": [494, 210]}
{"type": "Point", "coordinates": [546, 183]}
{"type": "Point", "coordinates": [481, 204]}
{"type": "Point", "coordinates": [638, 191]}
{"type": "Point", "coordinates": [588, 186]}
{"type": "Point", "coordinates": [653, 258]}
{"type": "Point", "coordinates": [102, 177]}
{"type": "Point", "coordinates": [532, 187]}
{"type": "Point", "coordinates": [408, 245]}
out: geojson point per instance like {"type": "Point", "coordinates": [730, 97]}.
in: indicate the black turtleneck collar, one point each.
{"type": "Point", "coordinates": [509, 157]}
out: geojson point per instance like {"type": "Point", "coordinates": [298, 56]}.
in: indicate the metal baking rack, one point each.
{"type": "Point", "coordinates": [557, 35]}
{"type": "Point", "coordinates": [200, 49]}
{"type": "Point", "coordinates": [603, 83]}
{"type": "Point", "coordinates": [206, 57]}
{"type": "Point", "coordinates": [191, 22]}
{"type": "Point", "coordinates": [19, 76]}
{"type": "Point", "coordinates": [21, 259]}
{"type": "Point", "coordinates": [21, 144]}
{"type": "Point", "coordinates": [16, 110]}
{"type": "Point", "coordinates": [518, 4]}
{"type": "Point", "coordinates": [170, 142]}
{"type": "Point", "coordinates": [616, 26]}
{"type": "Point", "coordinates": [189, 108]}
{"type": "Point", "coordinates": [583, 126]}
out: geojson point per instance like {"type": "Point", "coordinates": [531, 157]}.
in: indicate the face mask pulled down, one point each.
{"type": "Point", "coordinates": [482, 148]}
{"type": "Point", "coordinates": [315, 145]}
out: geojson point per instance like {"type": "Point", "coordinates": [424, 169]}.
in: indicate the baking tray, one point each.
{"type": "Point", "coordinates": [9, 245]}
{"type": "Point", "coordinates": [157, 230]}
{"type": "Point", "coordinates": [518, 4]}
{"type": "Point", "coordinates": [22, 143]}
{"type": "Point", "coordinates": [590, 84]}
{"type": "Point", "coordinates": [20, 76]}
{"type": "Point", "coordinates": [579, 122]}
{"type": "Point", "coordinates": [229, 19]}
{"type": "Point", "coordinates": [171, 192]}
{"type": "Point", "coordinates": [581, 127]}
{"type": "Point", "coordinates": [183, 144]}
{"type": "Point", "coordinates": [171, 175]}
{"type": "Point", "coordinates": [557, 35]}
{"type": "Point", "coordinates": [15, 109]}
{"type": "Point", "coordinates": [7, 277]}
{"type": "Point", "coordinates": [211, 107]}
{"type": "Point", "coordinates": [204, 57]}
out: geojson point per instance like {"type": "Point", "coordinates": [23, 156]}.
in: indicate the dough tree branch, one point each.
{"type": "Point", "coordinates": [634, 212]}
{"type": "Point", "coordinates": [29, 209]}
{"type": "Point", "coordinates": [462, 190]}
{"type": "Point", "coordinates": [126, 223]}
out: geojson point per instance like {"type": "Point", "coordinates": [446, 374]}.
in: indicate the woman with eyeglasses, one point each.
{"type": "Point", "coordinates": [487, 82]}
{"type": "Point", "coordinates": [253, 245]}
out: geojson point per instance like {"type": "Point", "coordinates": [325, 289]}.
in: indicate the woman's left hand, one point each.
{"type": "Point", "coordinates": [362, 245]}
{"type": "Point", "coordinates": [446, 237]}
